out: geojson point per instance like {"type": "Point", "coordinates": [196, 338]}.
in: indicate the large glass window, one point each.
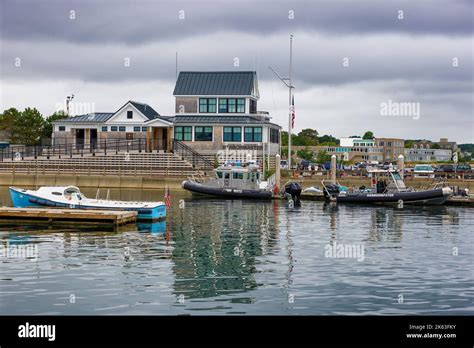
{"type": "Point", "coordinates": [136, 128]}
{"type": "Point", "coordinates": [241, 105]}
{"type": "Point", "coordinates": [202, 133]}
{"type": "Point", "coordinates": [253, 106]}
{"type": "Point", "coordinates": [104, 128]}
{"type": "Point", "coordinates": [274, 136]}
{"type": "Point", "coordinates": [62, 128]}
{"type": "Point", "coordinates": [113, 128]}
{"type": "Point", "coordinates": [183, 133]}
{"type": "Point", "coordinates": [231, 105]}
{"type": "Point", "coordinates": [232, 134]}
{"type": "Point", "coordinates": [207, 105]}
{"type": "Point", "coordinates": [122, 128]}
{"type": "Point", "coordinates": [253, 134]}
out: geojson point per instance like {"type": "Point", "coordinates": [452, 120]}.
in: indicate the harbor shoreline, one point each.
{"type": "Point", "coordinates": [150, 182]}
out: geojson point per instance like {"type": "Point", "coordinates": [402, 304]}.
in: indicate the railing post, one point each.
{"type": "Point", "coordinates": [140, 145]}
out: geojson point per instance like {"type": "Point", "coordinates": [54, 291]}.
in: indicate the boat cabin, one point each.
{"type": "Point", "coordinates": [386, 181]}
{"type": "Point", "coordinates": [238, 177]}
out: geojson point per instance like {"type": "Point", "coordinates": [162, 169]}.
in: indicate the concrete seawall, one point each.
{"type": "Point", "coordinates": [150, 182]}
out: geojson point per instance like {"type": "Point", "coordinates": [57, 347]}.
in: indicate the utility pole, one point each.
{"type": "Point", "coordinates": [287, 82]}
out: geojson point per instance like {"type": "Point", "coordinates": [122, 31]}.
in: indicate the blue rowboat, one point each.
{"type": "Point", "coordinates": [72, 198]}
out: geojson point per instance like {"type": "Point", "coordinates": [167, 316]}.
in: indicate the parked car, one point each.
{"type": "Point", "coordinates": [423, 171]}
{"type": "Point", "coordinates": [4, 145]}
{"type": "Point", "coordinates": [284, 164]}
{"type": "Point", "coordinates": [446, 168]}
{"type": "Point", "coordinates": [303, 165]}
{"type": "Point", "coordinates": [463, 168]}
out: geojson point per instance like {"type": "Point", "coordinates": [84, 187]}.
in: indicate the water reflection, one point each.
{"type": "Point", "coordinates": [216, 253]}
{"type": "Point", "coordinates": [231, 256]}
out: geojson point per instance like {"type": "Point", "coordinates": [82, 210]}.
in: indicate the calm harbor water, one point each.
{"type": "Point", "coordinates": [242, 257]}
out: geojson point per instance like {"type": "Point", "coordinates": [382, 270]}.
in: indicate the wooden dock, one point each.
{"type": "Point", "coordinates": [68, 216]}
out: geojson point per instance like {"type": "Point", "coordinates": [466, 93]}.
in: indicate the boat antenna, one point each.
{"type": "Point", "coordinates": [287, 82]}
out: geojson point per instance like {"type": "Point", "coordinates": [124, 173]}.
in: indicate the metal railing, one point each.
{"type": "Point", "coordinates": [102, 147]}
{"type": "Point", "coordinates": [187, 153]}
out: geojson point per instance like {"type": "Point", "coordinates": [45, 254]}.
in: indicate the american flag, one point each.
{"type": "Point", "coordinates": [292, 110]}
{"type": "Point", "coordinates": [167, 198]}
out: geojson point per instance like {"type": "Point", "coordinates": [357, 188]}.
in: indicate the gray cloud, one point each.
{"type": "Point", "coordinates": [405, 60]}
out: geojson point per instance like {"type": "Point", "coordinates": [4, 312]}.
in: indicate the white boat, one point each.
{"type": "Point", "coordinates": [71, 197]}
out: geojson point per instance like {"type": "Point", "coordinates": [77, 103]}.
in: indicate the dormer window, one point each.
{"type": "Point", "coordinates": [129, 114]}
{"type": "Point", "coordinates": [231, 105]}
{"type": "Point", "coordinates": [207, 105]}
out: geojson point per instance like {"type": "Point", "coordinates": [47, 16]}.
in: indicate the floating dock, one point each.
{"type": "Point", "coordinates": [68, 216]}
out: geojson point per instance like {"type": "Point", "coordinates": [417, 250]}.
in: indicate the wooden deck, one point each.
{"type": "Point", "coordinates": [69, 216]}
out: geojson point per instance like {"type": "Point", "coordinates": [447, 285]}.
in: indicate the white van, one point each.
{"type": "Point", "coordinates": [423, 171]}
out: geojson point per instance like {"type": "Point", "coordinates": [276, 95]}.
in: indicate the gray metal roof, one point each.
{"type": "Point", "coordinates": [145, 109]}
{"type": "Point", "coordinates": [98, 117]}
{"type": "Point", "coordinates": [215, 83]}
{"type": "Point", "coordinates": [221, 119]}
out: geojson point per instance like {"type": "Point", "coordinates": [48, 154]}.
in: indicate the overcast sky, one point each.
{"type": "Point", "coordinates": [50, 49]}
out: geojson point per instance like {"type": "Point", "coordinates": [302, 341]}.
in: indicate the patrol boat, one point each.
{"type": "Point", "coordinates": [232, 181]}
{"type": "Point", "coordinates": [388, 187]}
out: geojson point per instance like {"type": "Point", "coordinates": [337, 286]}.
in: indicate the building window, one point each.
{"type": "Point", "coordinates": [202, 133]}
{"type": "Point", "coordinates": [253, 134]}
{"type": "Point", "coordinates": [113, 128]}
{"type": "Point", "coordinates": [136, 128]}
{"type": "Point", "coordinates": [253, 106]}
{"type": "Point", "coordinates": [274, 136]}
{"type": "Point", "coordinates": [62, 128]}
{"type": "Point", "coordinates": [104, 128]}
{"type": "Point", "coordinates": [207, 105]}
{"type": "Point", "coordinates": [144, 129]}
{"type": "Point", "coordinates": [129, 114]}
{"type": "Point", "coordinates": [183, 133]}
{"type": "Point", "coordinates": [231, 105]}
{"type": "Point", "coordinates": [232, 134]}
{"type": "Point", "coordinates": [122, 128]}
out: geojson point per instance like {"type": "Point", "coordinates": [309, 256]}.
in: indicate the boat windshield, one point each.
{"type": "Point", "coordinates": [396, 176]}
{"type": "Point", "coordinates": [72, 192]}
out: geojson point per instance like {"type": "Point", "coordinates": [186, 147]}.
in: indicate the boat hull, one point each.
{"type": "Point", "coordinates": [225, 192]}
{"type": "Point", "coordinates": [24, 200]}
{"type": "Point", "coordinates": [428, 197]}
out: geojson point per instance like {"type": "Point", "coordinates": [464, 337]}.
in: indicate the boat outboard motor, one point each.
{"type": "Point", "coordinates": [294, 189]}
{"type": "Point", "coordinates": [332, 190]}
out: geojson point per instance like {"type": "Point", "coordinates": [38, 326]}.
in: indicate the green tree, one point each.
{"type": "Point", "coordinates": [8, 120]}
{"type": "Point", "coordinates": [28, 128]}
{"type": "Point", "coordinates": [368, 135]}
{"type": "Point", "coordinates": [305, 154]}
{"type": "Point", "coordinates": [48, 124]}
{"type": "Point", "coordinates": [328, 140]}
{"type": "Point", "coordinates": [435, 146]}
{"type": "Point", "coordinates": [409, 144]}
{"type": "Point", "coordinates": [323, 157]}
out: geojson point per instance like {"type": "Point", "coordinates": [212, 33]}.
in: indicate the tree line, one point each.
{"type": "Point", "coordinates": [27, 127]}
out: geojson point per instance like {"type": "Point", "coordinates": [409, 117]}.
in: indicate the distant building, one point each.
{"type": "Point", "coordinates": [391, 148]}
{"type": "Point", "coordinates": [215, 111]}
{"type": "Point", "coordinates": [448, 145]}
{"type": "Point", "coordinates": [427, 155]}
{"type": "Point", "coordinates": [351, 153]}
{"type": "Point", "coordinates": [358, 142]}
